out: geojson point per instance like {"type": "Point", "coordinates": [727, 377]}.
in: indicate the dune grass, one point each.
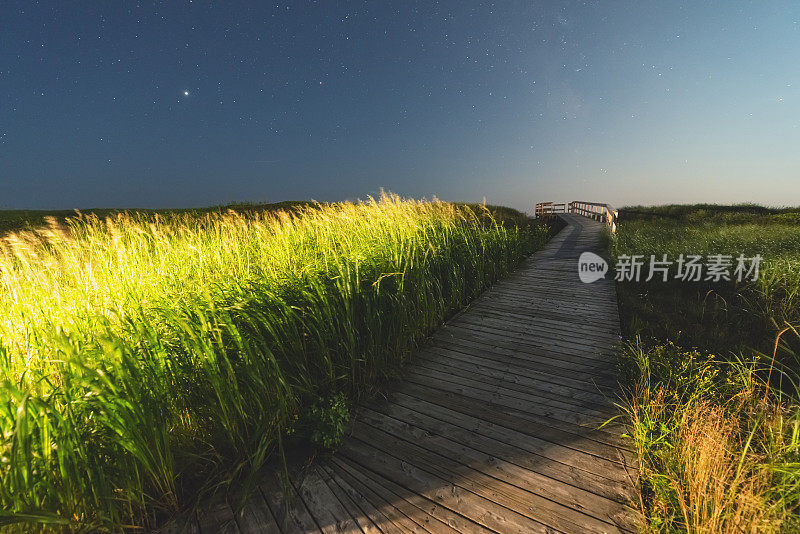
{"type": "Point", "coordinates": [712, 370]}
{"type": "Point", "coordinates": [147, 360]}
{"type": "Point", "coordinates": [21, 220]}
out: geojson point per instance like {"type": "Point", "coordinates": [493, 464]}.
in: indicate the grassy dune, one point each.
{"type": "Point", "coordinates": [149, 359]}
{"type": "Point", "coordinates": [713, 371]}
{"type": "Point", "coordinates": [19, 220]}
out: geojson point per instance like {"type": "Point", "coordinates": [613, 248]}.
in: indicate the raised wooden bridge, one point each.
{"type": "Point", "coordinates": [495, 427]}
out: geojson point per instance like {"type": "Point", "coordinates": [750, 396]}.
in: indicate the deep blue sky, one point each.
{"type": "Point", "coordinates": [622, 102]}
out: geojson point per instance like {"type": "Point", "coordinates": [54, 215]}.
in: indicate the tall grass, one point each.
{"type": "Point", "coordinates": [147, 360]}
{"type": "Point", "coordinates": [723, 316]}
{"type": "Point", "coordinates": [712, 370]}
{"type": "Point", "coordinates": [717, 447]}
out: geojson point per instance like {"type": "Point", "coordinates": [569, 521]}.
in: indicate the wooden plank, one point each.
{"type": "Point", "coordinates": [492, 381]}
{"type": "Point", "coordinates": [574, 335]}
{"type": "Point", "coordinates": [565, 311]}
{"type": "Point", "coordinates": [562, 311]}
{"type": "Point", "coordinates": [322, 504]}
{"type": "Point", "coordinates": [589, 297]}
{"type": "Point", "coordinates": [417, 510]}
{"type": "Point", "coordinates": [564, 321]}
{"type": "Point", "coordinates": [567, 421]}
{"type": "Point", "coordinates": [255, 516]}
{"type": "Point", "coordinates": [217, 517]}
{"type": "Point", "coordinates": [575, 498]}
{"type": "Point", "coordinates": [597, 314]}
{"type": "Point", "coordinates": [552, 298]}
{"type": "Point", "coordinates": [566, 349]}
{"type": "Point", "coordinates": [594, 296]}
{"type": "Point", "coordinates": [533, 378]}
{"type": "Point", "coordinates": [604, 334]}
{"type": "Point", "coordinates": [514, 421]}
{"type": "Point", "coordinates": [552, 274]}
{"type": "Point", "coordinates": [508, 381]}
{"type": "Point", "coordinates": [596, 428]}
{"type": "Point", "coordinates": [287, 508]}
{"type": "Point", "coordinates": [440, 490]}
{"type": "Point", "coordinates": [555, 279]}
{"type": "Point", "coordinates": [524, 504]}
{"type": "Point", "coordinates": [366, 520]}
{"type": "Point", "coordinates": [544, 367]}
{"type": "Point", "coordinates": [538, 405]}
{"type": "Point", "coordinates": [181, 525]}
{"type": "Point", "coordinates": [589, 363]}
{"type": "Point", "coordinates": [553, 344]}
{"type": "Point", "coordinates": [550, 313]}
{"type": "Point", "coordinates": [604, 477]}
{"type": "Point", "coordinates": [386, 515]}
{"type": "Point", "coordinates": [566, 344]}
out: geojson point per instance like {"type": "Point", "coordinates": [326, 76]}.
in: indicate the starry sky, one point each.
{"type": "Point", "coordinates": [193, 103]}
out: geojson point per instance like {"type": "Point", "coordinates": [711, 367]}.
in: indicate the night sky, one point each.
{"type": "Point", "coordinates": [177, 104]}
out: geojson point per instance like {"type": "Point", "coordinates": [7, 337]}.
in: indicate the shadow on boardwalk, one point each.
{"type": "Point", "coordinates": [494, 427]}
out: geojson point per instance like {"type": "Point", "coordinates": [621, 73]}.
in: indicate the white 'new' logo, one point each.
{"type": "Point", "coordinates": [591, 267]}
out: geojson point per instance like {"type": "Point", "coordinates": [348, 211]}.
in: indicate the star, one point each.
{"type": "Point", "coordinates": [186, 93]}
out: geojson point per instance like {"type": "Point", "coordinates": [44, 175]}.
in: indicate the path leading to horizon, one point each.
{"type": "Point", "coordinates": [495, 426]}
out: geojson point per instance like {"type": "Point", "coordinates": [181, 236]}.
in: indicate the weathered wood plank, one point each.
{"type": "Point", "coordinates": [217, 517]}
{"type": "Point", "coordinates": [566, 349]}
{"type": "Point", "coordinates": [287, 507]}
{"type": "Point", "coordinates": [322, 504]}
{"type": "Point", "coordinates": [574, 498]}
{"type": "Point", "coordinates": [511, 446]}
{"type": "Point", "coordinates": [528, 506]}
{"type": "Point", "coordinates": [530, 378]}
{"type": "Point", "coordinates": [487, 381]}
{"type": "Point", "coordinates": [566, 323]}
{"type": "Point", "coordinates": [527, 363]}
{"type": "Point", "coordinates": [579, 439]}
{"type": "Point", "coordinates": [574, 336]}
{"type": "Point", "coordinates": [255, 516]}
{"type": "Point", "coordinates": [366, 520]}
{"type": "Point", "coordinates": [418, 506]}
{"type": "Point", "coordinates": [527, 437]}
{"type": "Point", "coordinates": [571, 422]}
{"type": "Point", "coordinates": [440, 490]}
{"type": "Point", "coordinates": [601, 335]}
{"type": "Point", "coordinates": [587, 363]}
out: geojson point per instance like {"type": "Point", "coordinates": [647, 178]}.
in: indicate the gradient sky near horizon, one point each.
{"type": "Point", "coordinates": [193, 103]}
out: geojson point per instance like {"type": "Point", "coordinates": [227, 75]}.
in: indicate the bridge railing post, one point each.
{"type": "Point", "coordinates": [591, 210]}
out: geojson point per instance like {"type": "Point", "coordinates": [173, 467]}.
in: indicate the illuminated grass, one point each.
{"type": "Point", "coordinates": [147, 359]}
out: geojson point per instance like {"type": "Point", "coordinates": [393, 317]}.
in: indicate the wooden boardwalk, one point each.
{"type": "Point", "coordinates": [494, 428]}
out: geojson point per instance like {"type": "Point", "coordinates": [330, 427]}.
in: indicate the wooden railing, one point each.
{"type": "Point", "coordinates": [593, 210]}
{"type": "Point", "coordinates": [548, 209]}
